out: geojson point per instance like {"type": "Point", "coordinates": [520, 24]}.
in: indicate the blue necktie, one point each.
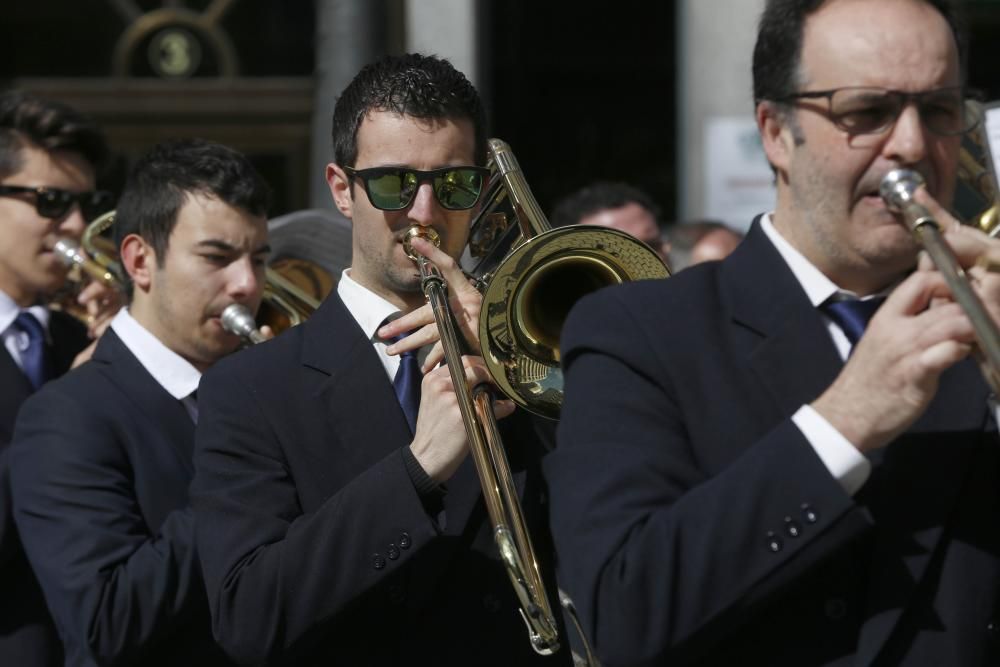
{"type": "Point", "coordinates": [33, 357]}
{"type": "Point", "coordinates": [852, 315]}
{"type": "Point", "coordinates": [407, 383]}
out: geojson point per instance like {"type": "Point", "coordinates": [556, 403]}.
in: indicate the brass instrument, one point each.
{"type": "Point", "coordinates": [897, 189]}
{"type": "Point", "coordinates": [531, 274]}
{"type": "Point", "coordinates": [237, 319]}
{"type": "Point", "coordinates": [86, 260]}
{"type": "Point", "coordinates": [976, 202]}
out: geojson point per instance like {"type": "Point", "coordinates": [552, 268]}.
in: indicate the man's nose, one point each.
{"type": "Point", "coordinates": [907, 140]}
{"type": "Point", "coordinates": [424, 209]}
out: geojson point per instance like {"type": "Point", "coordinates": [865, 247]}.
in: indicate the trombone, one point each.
{"type": "Point", "coordinates": [531, 275]}
{"type": "Point", "coordinates": [897, 190]}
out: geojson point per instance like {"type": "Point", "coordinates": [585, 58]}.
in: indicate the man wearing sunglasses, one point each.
{"type": "Point", "coordinates": [340, 517]}
{"type": "Point", "coordinates": [49, 157]}
{"type": "Point", "coordinates": [742, 477]}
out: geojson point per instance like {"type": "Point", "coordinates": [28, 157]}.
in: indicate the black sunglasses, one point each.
{"type": "Point", "coordinates": [393, 188]}
{"type": "Point", "coordinates": [869, 110]}
{"type": "Point", "coordinates": [54, 203]}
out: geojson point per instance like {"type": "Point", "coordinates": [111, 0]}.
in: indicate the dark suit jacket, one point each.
{"type": "Point", "coordinates": [695, 524]}
{"type": "Point", "coordinates": [101, 462]}
{"type": "Point", "coordinates": [316, 547]}
{"type": "Point", "coordinates": [27, 635]}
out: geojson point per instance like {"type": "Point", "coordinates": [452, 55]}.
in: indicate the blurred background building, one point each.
{"type": "Point", "coordinates": [656, 94]}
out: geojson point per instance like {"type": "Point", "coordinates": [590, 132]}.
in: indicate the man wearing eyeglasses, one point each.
{"type": "Point", "coordinates": [340, 517]}
{"type": "Point", "coordinates": [49, 156]}
{"type": "Point", "coordinates": [742, 477]}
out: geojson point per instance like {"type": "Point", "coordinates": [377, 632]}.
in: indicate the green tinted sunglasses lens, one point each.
{"type": "Point", "coordinates": [458, 189]}
{"type": "Point", "coordinates": [393, 190]}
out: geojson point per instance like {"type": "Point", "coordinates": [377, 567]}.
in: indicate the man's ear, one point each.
{"type": "Point", "coordinates": [340, 189]}
{"type": "Point", "coordinates": [776, 135]}
{"type": "Point", "coordinates": [138, 260]}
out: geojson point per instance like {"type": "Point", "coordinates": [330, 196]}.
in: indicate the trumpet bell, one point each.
{"type": "Point", "coordinates": [530, 294]}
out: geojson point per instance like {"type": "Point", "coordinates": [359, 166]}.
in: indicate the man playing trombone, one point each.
{"type": "Point", "coordinates": [102, 458]}
{"type": "Point", "coordinates": [741, 477]}
{"type": "Point", "coordinates": [340, 517]}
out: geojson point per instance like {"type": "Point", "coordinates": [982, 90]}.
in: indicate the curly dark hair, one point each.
{"type": "Point", "coordinates": [776, 56]}
{"type": "Point", "coordinates": [26, 119]}
{"type": "Point", "coordinates": [416, 85]}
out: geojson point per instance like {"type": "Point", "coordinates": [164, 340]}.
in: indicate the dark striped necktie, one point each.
{"type": "Point", "coordinates": [34, 356]}
{"type": "Point", "coordinates": [407, 383]}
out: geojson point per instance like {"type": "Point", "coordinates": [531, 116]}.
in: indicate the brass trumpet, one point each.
{"type": "Point", "coordinates": [531, 275]}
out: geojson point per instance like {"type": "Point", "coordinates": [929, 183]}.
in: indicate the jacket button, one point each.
{"type": "Point", "coordinates": [491, 603]}
{"type": "Point", "coordinates": [792, 527]}
{"type": "Point", "coordinates": [392, 552]}
{"type": "Point", "coordinates": [835, 608]}
{"type": "Point", "coordinates": [773, 542]}
{"type": "Point", "coordinates": [404, 541]}
{"type": "Point", "coordinates": [809, 514]}
{"type": "Point", "coordinates": [993, 628]}
{"type": "Point", "coordinates": [378, 562]}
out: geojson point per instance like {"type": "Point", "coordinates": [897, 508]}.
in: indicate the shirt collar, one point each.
{"type": "Point", "coordinates": [817, 286]}
{"type": "Point", "coordinates": [173, 372]}
{"type": "Point", "coordinates": [9, 311]}
{"type": "Point", "coordinates": [368, 308]}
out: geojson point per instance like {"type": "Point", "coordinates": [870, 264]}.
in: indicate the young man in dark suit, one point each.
{"type": "Point", "coordinates": [102, 458]}
{"type": "Point", "coordinates": [741, 477]}
{"type": "Point", "coordinates": [49, 158]}
{"type": "Point", "coordinates": [332, 529]}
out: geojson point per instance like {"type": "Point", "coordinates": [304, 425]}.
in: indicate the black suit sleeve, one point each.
{"type": "Point", "coordinates": [656, 551]}
{"type": "Point", "coordinates": [283, 571]}
{"type": "Point", "coordinates": [113, 585]}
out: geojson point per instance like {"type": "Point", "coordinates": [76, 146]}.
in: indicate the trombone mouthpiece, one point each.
{"type": "Point", "coordinates": [897, 188]}
{"type": "Point", "coordinates": [237, 319]}
{"type": "Point", "coordinates": [426, 233]}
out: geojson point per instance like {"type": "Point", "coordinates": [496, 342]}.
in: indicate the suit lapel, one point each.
{"type": "Point", "coordinates": [356, 397]}
{"type": "Point", "coordinates": [361, 408]}
{"type": "Point", "coordinates": [787, 345]}
{"type": "Point", "coordinates": [147, 396]}
{"type": "Point", "coordinates": [15, 392]}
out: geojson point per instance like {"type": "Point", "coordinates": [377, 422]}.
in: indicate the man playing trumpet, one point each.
{"type": "Point", "coordinates": [101, 459]}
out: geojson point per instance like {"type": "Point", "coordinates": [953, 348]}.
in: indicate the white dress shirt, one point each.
{"type": "Point", "coordinates": [848, 465]}
{"type": "Point", "coordinates": [14, 340]}
{"type": "Point", "coordinates": [370, 310]}
{"type": "Point", "coordinates": [170, 370]}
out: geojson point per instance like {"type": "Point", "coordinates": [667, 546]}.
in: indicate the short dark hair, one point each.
{"type": "Point", "coordinates": [161, 180]}
{"type": "Point", "coordinates": [778, 52]}
{"type": "Point", "coordinates": [26, 119]}
{"type": "Point", "coordinates": [599, 196]}
{"type": "Point", "coordinates": [425, 87]}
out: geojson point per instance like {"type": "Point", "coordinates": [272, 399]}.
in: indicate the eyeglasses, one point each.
{"type": "Point", "coordinates": [393, 188]}
{"type": "Point", "coordinates": [868, 110]}
{"type": "Point", "coordinates": [54, 203]}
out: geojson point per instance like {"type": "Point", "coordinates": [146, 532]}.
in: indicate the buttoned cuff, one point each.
{"type": "Point", "coordinates": [847, 465]}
